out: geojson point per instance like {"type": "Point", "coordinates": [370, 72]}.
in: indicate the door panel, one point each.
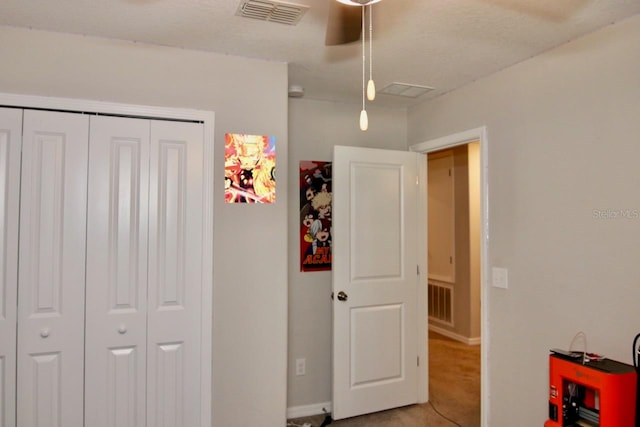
{"type": "Point", "coordinates": [371, 326]}
{"type": "Point", "coordinates": [175, 268]}
{"type": "Point", "coordinates": [376, 253]}
{"type": "Point", "coordinates": [375, 265]}
{"type": "Point", "coordinates": [117, 272]}
{"type": "Point", "coordinates": [10, 146]}
{"type": "Point", "coordinates": [51, 269]}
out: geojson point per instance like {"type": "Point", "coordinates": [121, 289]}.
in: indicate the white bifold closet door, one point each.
{"type": "Point", "coordinates": [103, 279]}
{"type": "Point", "coordinates": [143, 273]}
{"type": "Point", "coordinates": [116, 334]}
{"type": "Point", "coordinates": [53, 211]}
{"type": "Point", "coordinates": [10, 142]}
{"type": "Point", "coordinates": [175, 275]}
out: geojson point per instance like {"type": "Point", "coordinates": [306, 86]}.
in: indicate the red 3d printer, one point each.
{"type": "Point", "coordinates": [597, 392]}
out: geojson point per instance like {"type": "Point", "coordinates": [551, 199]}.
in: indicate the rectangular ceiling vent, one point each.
{"type": "Point", "coordinates": [405, 89]}
{"type": "Point", "coordinates": [274, 11]}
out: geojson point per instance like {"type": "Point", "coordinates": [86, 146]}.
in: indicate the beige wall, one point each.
{"type": "Point", "coordinates": [462, 249]}
{"type": "Point", "coordinates": [250, 249]}
{"type": "Point", "coordinates": [563, 206]}
{"type": "Point", "coordinates": [441, 208]}
{"type": "Point", "coordinates": [475, 244]}
{"type": "Point", "coordinates": [314, 128]}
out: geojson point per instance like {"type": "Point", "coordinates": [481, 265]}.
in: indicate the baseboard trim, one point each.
{"type": "Point", "coordinates": [454, 336]}
{"type": "Point", "coordinates": [308, 410]}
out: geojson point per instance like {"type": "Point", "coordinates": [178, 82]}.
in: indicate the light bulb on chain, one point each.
{"type": "Point", "coordinates": [371, 86]}
{"type": "Point", "coordinates": [364, 120]}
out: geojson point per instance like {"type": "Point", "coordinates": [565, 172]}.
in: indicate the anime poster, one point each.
{"type": "Point", "coordinates": [249, 168]}
{"type": "Point", "coordinates": [315, 216]}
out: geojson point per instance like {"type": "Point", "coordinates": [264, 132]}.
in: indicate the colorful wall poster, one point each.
{"type": "Point", "coordinates": [249, 168]}
{"type": "Point", "coordinates": [315, 216]}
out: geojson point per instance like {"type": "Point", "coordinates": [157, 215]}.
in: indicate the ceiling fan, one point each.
{"type": "Point", "coordinates": [345, 21]}
{"type": "Point", "coordinates": [345, 25]}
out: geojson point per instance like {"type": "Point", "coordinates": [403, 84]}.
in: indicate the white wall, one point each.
{"type": "Point", "coordinates": [250, 249]}
{"type": "Point", "coordinates": [563, 153]}
{"type": "Point", "coordinates": [314, 128]}
{"type": "Point", "coordinates": [562, 133]}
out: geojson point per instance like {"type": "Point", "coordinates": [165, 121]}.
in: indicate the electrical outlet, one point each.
{"type": "Point", "coordinates": [500, 278]}
{"type": "Point", "coordinates": [301, 366]}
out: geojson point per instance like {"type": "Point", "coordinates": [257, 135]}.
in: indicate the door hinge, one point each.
{"type": "Point", "coordinates": [417, 180]}
{"type": "Point", "coordinates": [418, 360]}
{"type": "Point", "coordinates": [418, 270]}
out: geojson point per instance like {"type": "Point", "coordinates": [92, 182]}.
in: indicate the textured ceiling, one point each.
{"type": "Point", "coordinates": [444, 44]}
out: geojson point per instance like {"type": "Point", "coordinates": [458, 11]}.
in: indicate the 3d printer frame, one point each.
{"type": "Point", "coordinates": [596, 393]}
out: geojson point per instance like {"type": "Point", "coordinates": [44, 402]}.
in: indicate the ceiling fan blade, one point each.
{"type": "Point", "coordinates": [344, 24]}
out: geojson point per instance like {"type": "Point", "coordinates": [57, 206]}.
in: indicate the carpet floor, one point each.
{"type": "Point", "coordinates": [454, 393]}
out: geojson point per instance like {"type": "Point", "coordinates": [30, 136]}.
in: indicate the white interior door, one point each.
{"type": "Point", "coordinates": [116, 301]}
{"type": "Point", "coordinates": [175, 272]}
{"type": "Point", "coordinates": [53, 210]}
{"type": "Point", "coordinates": [10, 146]}
{"type": "Point", "coordinates": [375, 280]}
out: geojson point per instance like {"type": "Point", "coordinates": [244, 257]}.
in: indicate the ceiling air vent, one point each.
{"type": "Point", "coordinates": [274, 11]}
{"type": "Point", "coordinates": [405, 89]}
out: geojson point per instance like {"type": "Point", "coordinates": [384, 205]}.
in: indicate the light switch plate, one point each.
{"type": "Point", "coordinates": [301, 366]}
{"type": "Point", "coordinates": [500, 277]}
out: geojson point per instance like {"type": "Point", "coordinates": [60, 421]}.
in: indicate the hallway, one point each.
{"type": "Point", "coordinates": [454, 379]}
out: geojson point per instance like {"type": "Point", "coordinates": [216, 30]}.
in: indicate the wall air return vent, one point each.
{"type": "Point", "coordinates": [274, 11]}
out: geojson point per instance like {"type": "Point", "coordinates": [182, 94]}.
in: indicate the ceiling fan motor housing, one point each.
{"type": "Point", "coordinates": [358, 2]}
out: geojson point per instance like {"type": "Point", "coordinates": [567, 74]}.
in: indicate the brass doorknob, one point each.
{"type": "Point", "coordinates": [342, 296]}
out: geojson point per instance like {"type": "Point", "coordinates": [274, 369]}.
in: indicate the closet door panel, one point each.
{"type": "Point", "coordinates": [10, 146]}
{"type": "Point", "coordinates": [175, 263]}
{"type": "Point", "coordinates": [117, 272]}
{"type": "Point", "coordinates": [51, 270]}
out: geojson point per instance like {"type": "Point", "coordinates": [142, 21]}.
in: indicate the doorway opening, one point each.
{"type": "Point", "coordinates": [456, 306]}
{"type": "Point", "coordinates": [453, 281]}
{"type": "Point", "coordinates": [453, 252]}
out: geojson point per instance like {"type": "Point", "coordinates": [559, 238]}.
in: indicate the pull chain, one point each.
{"type": "Point", "coordinates": [364, 119]}
{"type": "Point", "coordinates": [371, 87]}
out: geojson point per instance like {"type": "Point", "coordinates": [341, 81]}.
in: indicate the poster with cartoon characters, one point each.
{"type": "Point", "coordinates": [249, 168]}
{"type": "Point", "coordinates": [315, 216]}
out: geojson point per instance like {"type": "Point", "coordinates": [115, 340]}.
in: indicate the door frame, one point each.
{"type": "Point", "coordinates": [152, 112]}
{"type": "Point", "coordinates": [460, 138]}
